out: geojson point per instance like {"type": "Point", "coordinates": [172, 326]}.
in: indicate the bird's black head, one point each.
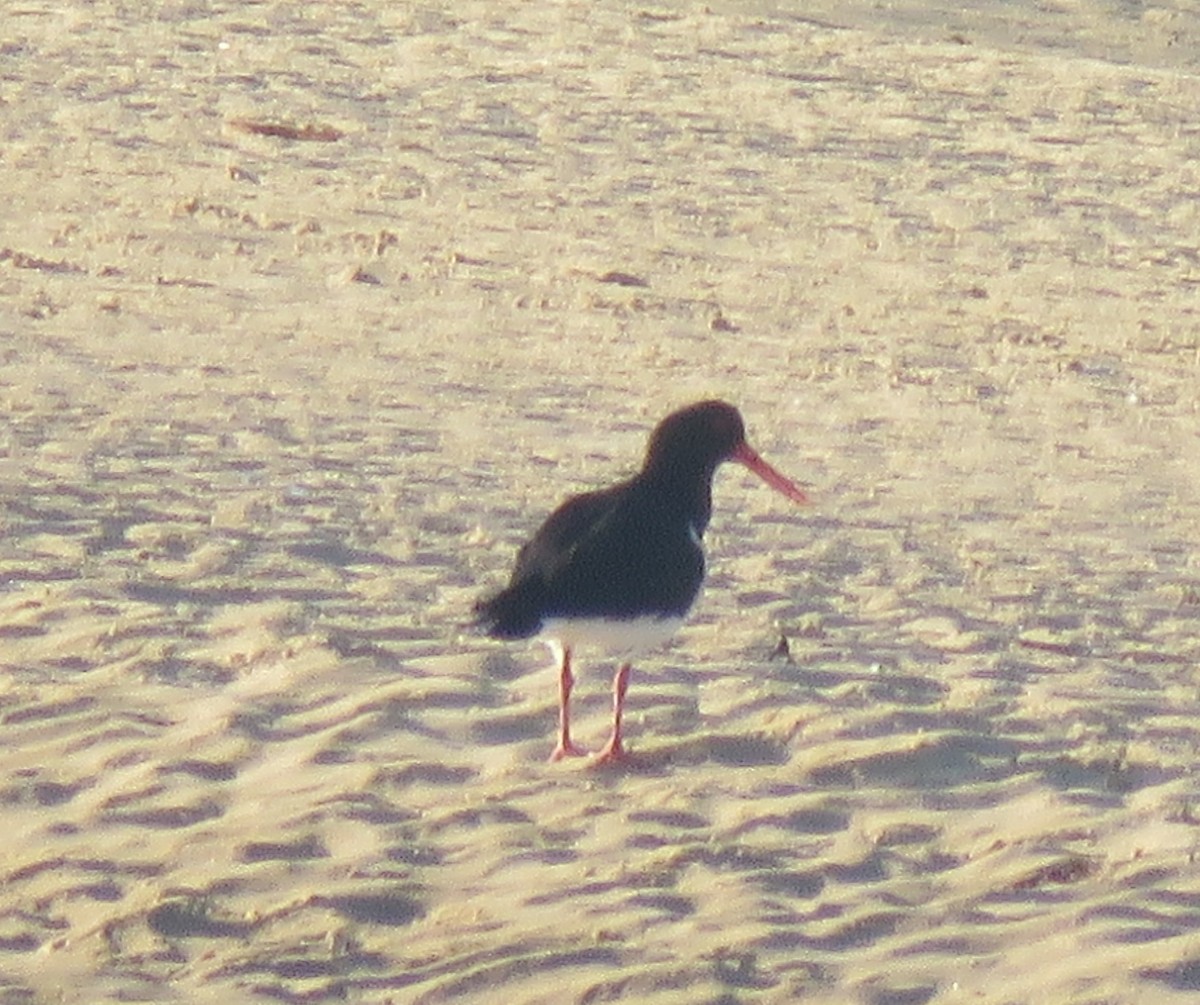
{"type": "Point", "coordinates": [691, 442]}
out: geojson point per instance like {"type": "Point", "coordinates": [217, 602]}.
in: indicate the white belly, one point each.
{"type": "Point", "coordinates": [619, 638]}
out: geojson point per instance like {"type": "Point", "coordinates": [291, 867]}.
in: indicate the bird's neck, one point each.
{"type": "Point", "coordinates": [685, 492]}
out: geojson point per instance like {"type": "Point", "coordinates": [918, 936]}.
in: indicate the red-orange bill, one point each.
{"type": "Point", "coordinates": [746, 455]}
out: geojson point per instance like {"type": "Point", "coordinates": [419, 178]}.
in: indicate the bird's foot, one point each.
{"type": "Point", "coordinates": [566, 748]}
{"type": "Point", "coordinates": [613, 752]}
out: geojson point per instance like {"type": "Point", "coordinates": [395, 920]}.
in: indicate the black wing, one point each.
{"type": "Point", "coordinates": [556, 541]}
{"type": "Point", "coordinates": [640, 556]}
{"type": "Point", "coordinates": [619, 552]}
{"type": "Point", "coordinates": [516, 612]}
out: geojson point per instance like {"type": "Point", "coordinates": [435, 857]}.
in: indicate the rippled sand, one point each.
{"type": "Point", "coordinates": [309, 313]}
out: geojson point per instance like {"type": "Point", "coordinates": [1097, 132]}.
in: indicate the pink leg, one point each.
{"type": "Point", "coordinates": [614, 750]}
{"type": "Point", "coordinates": [565, 748]}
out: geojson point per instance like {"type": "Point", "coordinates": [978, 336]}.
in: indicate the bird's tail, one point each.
{"type": "Point", "coordinates": [510, 614]}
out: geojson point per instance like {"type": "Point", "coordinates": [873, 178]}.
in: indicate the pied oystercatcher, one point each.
{"type": "Point", "coordinates": [621, 566]}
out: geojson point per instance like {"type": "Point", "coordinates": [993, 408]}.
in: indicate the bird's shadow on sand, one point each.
{"type": "Point", "coordinates": [659, 759]}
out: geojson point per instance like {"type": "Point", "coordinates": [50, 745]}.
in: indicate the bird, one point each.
{"type": "Point", "coordinates": [620, 567]}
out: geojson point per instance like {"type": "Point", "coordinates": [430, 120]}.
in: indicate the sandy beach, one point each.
{"type": "Point", "coordinates": [310, 313]}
